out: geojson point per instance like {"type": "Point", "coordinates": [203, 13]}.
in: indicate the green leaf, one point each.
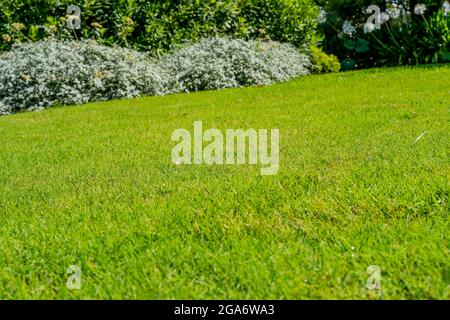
{"type": "Point", "coordinates": [362, 46]}
{"type": "Point", "coordinates": [445, 56]}
{"type": "Point", "coordinates": [348, 64]}
{"type": "Point", "coordinates": [350, 44]}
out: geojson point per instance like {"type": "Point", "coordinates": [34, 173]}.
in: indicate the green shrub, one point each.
{"type": "Point", "coordinates": [322, 62]}
{"type": "Point", "coordinates": [435, 44]}
{"type": "Point", "coordinates": [406, 38]}
{"type": "Point", "coordinates": [157, 25]}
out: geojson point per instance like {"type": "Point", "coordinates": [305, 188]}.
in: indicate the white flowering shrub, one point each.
{"type": "Point", "coordinates": [37, 75]}
{"type": "Point", "coordinates": [217, 63]}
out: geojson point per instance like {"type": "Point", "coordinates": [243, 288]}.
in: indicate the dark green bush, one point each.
{"type": "Point", "coordinates": [407, 40]}
{"type": "Point", "coordinates": [156, 25]}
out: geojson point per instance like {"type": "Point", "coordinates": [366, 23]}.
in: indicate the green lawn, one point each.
{"type": "Point", "coordinates": [94, 186]}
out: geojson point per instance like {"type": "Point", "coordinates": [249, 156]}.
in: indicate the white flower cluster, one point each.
{"type": "Point", "coordinates": [348, 28]}
{"type": "Point", "coordinates": [216, 63]}
{"type": "Point", "coordinates": [394, 10]}
{"type": "Point", "coordinates": [37, 75]}
{"type": "Point", "coordinates": [322, 16]}
{"type": "Point", "coordinates": [446, 7]}
{"type": "Point", "coordinates": [420, 9]}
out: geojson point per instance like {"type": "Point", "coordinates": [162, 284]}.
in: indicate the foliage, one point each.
{"type": "Point", "coordinates": [41, 74]}
{"type": "Point", "coordinates": [217, 63]}
{"type": "Point", "coordinates": [157, 25]}
{"type": "Point", "coordinates": [405, 37]}
{"type": "Point", "coordinates": [322, 62]}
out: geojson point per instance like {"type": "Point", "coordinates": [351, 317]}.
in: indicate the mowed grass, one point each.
{"type": "Point", "coordinates": [94, 186]}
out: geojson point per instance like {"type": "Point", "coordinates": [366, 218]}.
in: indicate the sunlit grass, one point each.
{"type": "Point", "coordinates": [94, 186]}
